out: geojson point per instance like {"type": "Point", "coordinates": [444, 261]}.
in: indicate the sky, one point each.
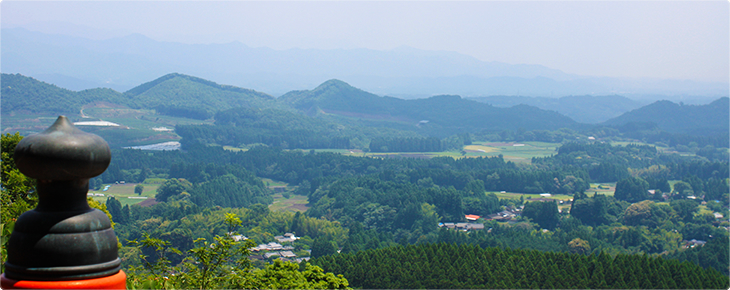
{"type": "Point", "coordinates": [637, 39]}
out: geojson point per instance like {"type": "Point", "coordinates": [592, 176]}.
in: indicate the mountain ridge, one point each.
{"type": "Point", "coordinates": [680, 118]}
{"type": "Point", "coordinates": [449, 113]}
{"type": "Point", "coordinates": [585, 109]}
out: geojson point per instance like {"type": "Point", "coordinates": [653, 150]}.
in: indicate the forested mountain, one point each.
{"type": "Point", "coordinates": [713, 118]}
{"type": "Point", "coordinates": [585, 109]}
{"type": "Point", "coordinates": [173, 94]}
{"type": "Point", "coordinates": [186, 93]}
{"type": "Point", "coordinates": [24, 94]}
{"type": "Point", "coordinates": [436, 115]}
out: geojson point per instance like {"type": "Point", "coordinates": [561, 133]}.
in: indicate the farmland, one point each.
{"type": "Point", "coordinates": [125, 193]}
{"type": "Point", "coordinates": [294, 203]}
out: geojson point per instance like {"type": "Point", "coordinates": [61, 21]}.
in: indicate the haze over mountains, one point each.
{"type": "Point", "coordinates": [121, 63]}
{"type": "Point", "coordinates": [336, 102]}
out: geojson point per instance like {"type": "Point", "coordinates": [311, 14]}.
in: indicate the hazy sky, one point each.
{"type": "Point", "coordinates": [658, 39]}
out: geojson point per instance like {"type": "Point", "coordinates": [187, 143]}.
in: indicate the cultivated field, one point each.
{"type": "Point", "coordinates": [294, 203]}
{"type": "Point", "coordinates": [123, 192]}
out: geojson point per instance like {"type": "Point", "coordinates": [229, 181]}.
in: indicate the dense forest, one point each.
{"type": "Point", "coordinates": [450, 266]}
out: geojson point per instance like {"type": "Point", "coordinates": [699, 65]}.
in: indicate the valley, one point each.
{"type": "Point", "coordinates": [349, 173]}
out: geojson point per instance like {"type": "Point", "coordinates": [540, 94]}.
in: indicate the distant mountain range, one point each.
{"type": "Point", "coordinates": [123, 62]}
{"type": "Point", "coordinates": [338, 102]}
{"type": "Point", "coordinates": [584, 109]}
{"type": "Point", "coordinates": [447, 112]}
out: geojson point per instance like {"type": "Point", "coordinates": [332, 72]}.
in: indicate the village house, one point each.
{"type": "Point", "coordinates": [286, 238]}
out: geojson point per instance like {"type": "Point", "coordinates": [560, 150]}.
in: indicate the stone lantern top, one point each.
{"type": "Point", "coordinates": [62, 239]}
{"type": "Point", "coordinates": [62, 152]}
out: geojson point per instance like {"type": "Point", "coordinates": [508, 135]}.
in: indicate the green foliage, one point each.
{"type": "Point", "coordinates": [228, 191]}
{"type": "Point", "coordinates": [286, 275]}
{"type": "Point", "coordinates": [323, 246]}
{"type": "Point", "coordinates": [16, 187]}
{"type": "Point", "coordinates": [544, 214]}
{"type": "Point", "coordinates": [685, 209]}
{"type": "Point", "coordinates": [579, 246]}
{"type": "Point", "coordinates": [25, 94]}
{"type": "Point", "coordinates": [114, 208]}
{"type": "Point", "coordinates": [597, 210]}
{"type": "Point", "coordinates": [632, 189]}
{"type": "Point", "coordinates": [17, 191]}
{"type": "Point", "coordinates": [221, 264]}
{"type": "Point", "coordinates": [450, 266]}
{"type": "Point", "coordinates": [172, 188]}
{"type": "Point", "coordinates": [191, 93]}
{"type": "Point", "coordinates": [138, 189]}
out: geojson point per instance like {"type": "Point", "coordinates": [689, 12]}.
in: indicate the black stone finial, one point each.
{"type": "Point", "coordinates": [62, 238]}
{"type": "Point", "coordinates": [62, 152]}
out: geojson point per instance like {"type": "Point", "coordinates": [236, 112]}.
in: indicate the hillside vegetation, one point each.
{"type": "Point", "coordinates": [678, 118]}
{"type": "Point", "coordinates": [445, 115]}
{"type": "Point", "coordinates": [450, 266]}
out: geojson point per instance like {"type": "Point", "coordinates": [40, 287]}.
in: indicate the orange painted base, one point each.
{"type": "Point", "coordinates": [116, 281]}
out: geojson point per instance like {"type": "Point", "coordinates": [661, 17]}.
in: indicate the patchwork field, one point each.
{"type": "Point", "coordinates": [515, 152]}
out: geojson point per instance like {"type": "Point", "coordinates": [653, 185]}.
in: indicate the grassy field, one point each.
{"type": "Point", "coordinates": [601, 188]}
{"type": "Point", "coordinates": [294, 203]}
{"type": "Point", "coordinates": [122, 192]}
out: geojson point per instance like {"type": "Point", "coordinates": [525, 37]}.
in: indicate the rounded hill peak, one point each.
{"type": "Point", "coordinates": [333, 83]}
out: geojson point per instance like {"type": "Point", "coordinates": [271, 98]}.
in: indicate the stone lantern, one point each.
{"type": "Point", "coordinates": [63, 243]}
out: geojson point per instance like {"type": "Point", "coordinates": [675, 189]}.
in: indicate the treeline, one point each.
{"type": "Point", "coordinates": [285, 129]}
{"type": "Point", "coordinates": [197, 135]}
{"type": "Point", "coordinates": [450, 266]}
{"type": "Point", "coordinates": [607, 163]}
{"type": "Point", "coordinates": [278, 128]}
{"type": "Point", "coordinates": [184, 112]}
{"type": "Point", "coordinates": [645, 132]}
{"type": "Point", "coordinates": [419, 144]}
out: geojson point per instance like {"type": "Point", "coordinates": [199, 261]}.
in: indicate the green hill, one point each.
{"type": "Point", "coordinates": [26, 94]}
{"type": "Point", "coordinates": [181, 92]}
{"type": "Point", "coordinates": [21, 94]}
{"type": "Point", "coordinates": [707, 119]}
{"type": "Point", "coordinates": [439, 115]}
